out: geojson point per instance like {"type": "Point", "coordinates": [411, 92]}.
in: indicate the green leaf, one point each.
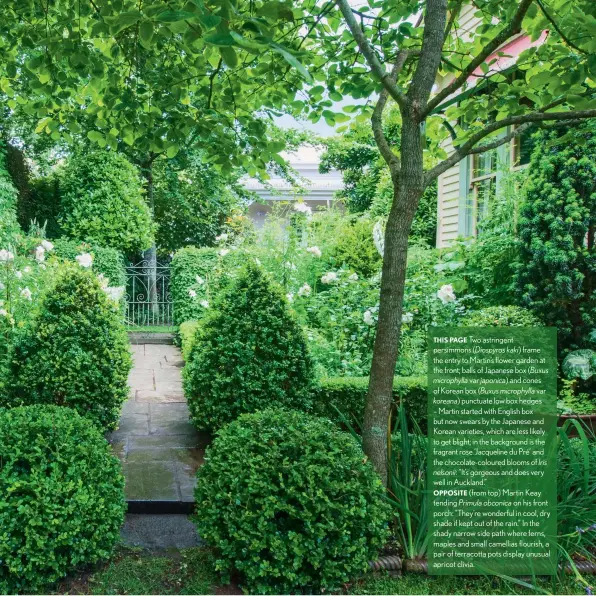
{"type": "Point", "coordinates": [172, 151]}
{"type": "Point", "coordinates": [146, 32]}
{"type": "Point", "coordinates": [220, 39]}
{"type": "Point", "coordinates": [96, 137]}
{"type": "Point", "coordinates": [229, 56]}
{"type": "Point", "coordinates": [173, 16]}
{"type": "Point", "coordinates": [291, 60]}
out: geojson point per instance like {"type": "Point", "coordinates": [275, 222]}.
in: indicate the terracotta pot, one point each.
{"type": "Point", "coordinates": [587, 421]}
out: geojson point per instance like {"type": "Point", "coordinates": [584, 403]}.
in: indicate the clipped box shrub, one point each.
{"type": "Point", "coordinates": [62, 496]}
{"type": "Point", "coordinates": [102, 202]}
{"type": "Point", "coordinates": [501, 316]}
{"type": "Point", "coordinates": [249, 354]}
{"type": "Point", "coordinates": [107, 261]}
{"type": "Point", "coordinates": [74, 353]}
{"type": "Point", "coordinates": [290, 501]}
{"type": "Point", "coordinates": [348, 395]}
{"type": "Point", "coordinates": [188, 331]}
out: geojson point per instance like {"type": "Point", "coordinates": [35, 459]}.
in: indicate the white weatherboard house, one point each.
{"type": "Point", "coordinates": [465, 190]}
{"type": "Point", "coordinates": [318, 189]}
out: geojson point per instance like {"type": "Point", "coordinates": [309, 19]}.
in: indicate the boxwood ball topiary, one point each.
{"type": "Point", "coordinates": [249, 354]}
{"type": "Point", "coordinates": [61, 496]}
{"type": "Point", "coordinates": [290, 501]}
{"type": "Point", "coordinates": [74, 353]}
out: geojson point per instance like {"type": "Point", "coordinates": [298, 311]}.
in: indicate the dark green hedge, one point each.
{"type": "Point", "coordinates": [348, 395]}
{"type": "Point", "coordinates": [107, 261]}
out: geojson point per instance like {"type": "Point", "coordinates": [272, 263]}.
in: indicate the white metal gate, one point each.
{"type": "Point", "coordinates": [148, 299]}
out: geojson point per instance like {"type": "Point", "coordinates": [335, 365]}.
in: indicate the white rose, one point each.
{"type": "Point", "coordinates": [18, 274]}
{"type": "Point", "coordinates": [27, 269]}
{"type": "Point", "coordinates": [40, 254]}
{"type": "Point", "coordinates": [223, 252]}
{"type": "Point", "coordinates": [26, 293]}
{"type": "Point", "coordinates": [368, 318]}
{"type": "Point", "coordinates": [115, 293]}
{"type": "Point", "coordinates": [301, 207]}
{"type": "Point", "coordinates": [407, 317]}
{"type": "Point", "coordinates": [3, 312]}
{"type": "Point", "coordinates": [446, 294]}
{"type": "Point", "coordinates": [84, 260]}
{"type": "Point", "coordinates": [192, 293]}
{"type": "Point", "coordinates": [329, 277]}
{"type": "Point", "coordinates": [47, 245]}
{"type": "Point", "coordinates": [290, 297]}
{"type": "Point", "coordinates": [204, 303]}
{"type": "Point", "coordinates": [221, 238]}
{"type": "Point", "coordinates": [6, 255]}
{"type": "Point", "coordinates": [290, 266]}
{"type": "Point", "coordinates": [315, 251]}
{"type": "Point", "coordinates": [304, 290]}
{"type": "Point", "coordinates": [353, 277]}
{"type": "Point", "coordinates": [199, 280]}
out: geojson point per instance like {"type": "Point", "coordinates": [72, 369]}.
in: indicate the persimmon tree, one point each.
{"type": "Point", "coordinates": [447, 81]}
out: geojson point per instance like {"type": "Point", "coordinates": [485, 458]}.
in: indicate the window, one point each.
{"type": "Point", "coordinates": [522, 148]}
{"type": "Point", "coordinates": [483, 183]}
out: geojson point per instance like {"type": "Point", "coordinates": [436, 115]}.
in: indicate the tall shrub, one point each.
{"type": "Point", "coordinates": [557, 274]}
{"type": "Point", "coordinates": [249, 354]}
{"type": "Point", "coordinates": [74, 353]}
{"type": "Point", "coordinates": [62, 496]}
{"type": "Point", "coordinates": [9, 226]}
{"type": "Point", "coordinates": [102, 202]}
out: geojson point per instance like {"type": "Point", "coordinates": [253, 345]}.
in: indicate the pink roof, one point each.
{"type": "Point", "coordinates": [510, 53]}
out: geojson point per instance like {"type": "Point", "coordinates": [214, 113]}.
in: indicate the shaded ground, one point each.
{"type": "Point", "coordinates": [192, 571]}
{"type": "Point", "coordinates": [160, 450]}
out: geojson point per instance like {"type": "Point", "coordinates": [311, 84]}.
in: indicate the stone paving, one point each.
{"type": "Point", "coordinates": [159, 448]}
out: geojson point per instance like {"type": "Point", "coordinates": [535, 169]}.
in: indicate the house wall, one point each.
{"type": "Point", "coordinates": [452, 193]}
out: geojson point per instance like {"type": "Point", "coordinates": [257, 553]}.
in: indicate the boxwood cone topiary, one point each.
{"type": "Point", "coordinates": [74, 353]}
{"type": "Point", "coordinates": [291, 502]}
{"type": "Point", "coordinates": [250, 353]}
{"type": "Point", "coordinates": [62, 496]}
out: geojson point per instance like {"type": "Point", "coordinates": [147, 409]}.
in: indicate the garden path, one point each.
{"type": "Point", "coordinates": [159, 448]}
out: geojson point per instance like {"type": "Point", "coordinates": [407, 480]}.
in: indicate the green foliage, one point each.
{"type": "Point", "coordinates": [102, 202]}
{"type": "Point", "coordinates": [355, 249]}
{"type": "Point", "coordinates": [558, 262]}
{"type": "Point", "coordinates": [108, 262]}
{"type": "Point", "coordinates": [501, 316]}
{"type": "Point", "coordinates": [248, 354]}
{"type": "Point", "coordinates": [187, 265]}
{"type": "Point", "coordinates": [74, 353]}
{"type": "Point", "coordinates": [367, 183]}
{"type": "Point", "coordinates": [188, 331]}
{"type": "Point", "coordinates": [348, 395]}
{"type": "Point", "coordinates": [290, 502]}
{"type": "Point", "coordinates": [9, 226]}
{"type": "Point", "coordinates": [42, 204]}
{"type": "Point", "coordinates": [492, 259]}
{"type": "Point", "coordinates": [62, 496]}
{"type": "Point", "coordinates": [192, 201]}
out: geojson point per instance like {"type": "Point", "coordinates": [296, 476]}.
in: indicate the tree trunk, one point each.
{"type": "Point", "coordinates": [150, 255]}
{"type": "Point", "coordinates": [408, 187]}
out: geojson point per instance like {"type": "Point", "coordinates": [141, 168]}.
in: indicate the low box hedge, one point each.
{"type": "Point", "coordinates": [348, 395]}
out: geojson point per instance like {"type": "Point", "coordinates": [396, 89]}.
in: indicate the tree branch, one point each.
{"type": "Point", "coordinates": [369, 52]}
{"type": "Point", "coordinates": [377, 118]}
{"type": "Point", "coordinates": [430, 59]}
{"type": "Point", "coordinates": [512, 29]}
{"type": "Point", "coordinates": [452, 18]}
{"type": "Point", "coordinates": [469, 147]}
